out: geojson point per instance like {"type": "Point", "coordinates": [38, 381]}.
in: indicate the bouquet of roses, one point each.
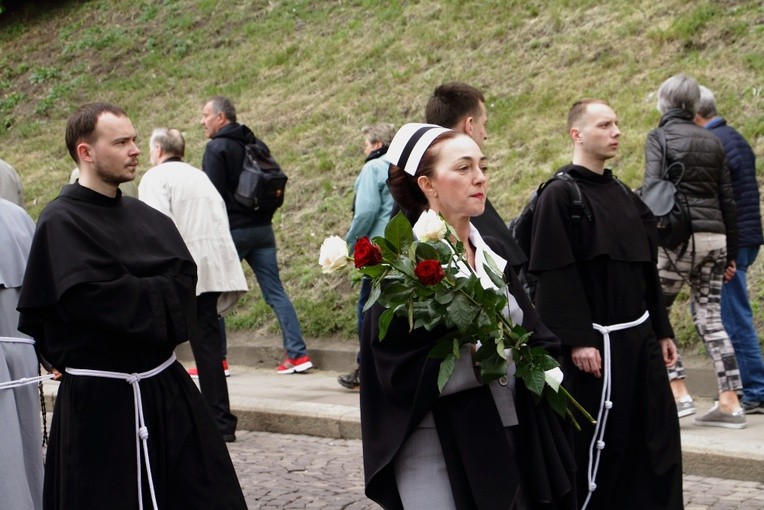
{"type": "Point", "coordinates": [422, 274]}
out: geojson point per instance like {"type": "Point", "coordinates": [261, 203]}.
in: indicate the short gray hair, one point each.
{"type": "Point", "coordinates": [221, 104]}
{"type": "Point", "coordinates": [707, 104]}
{"type": "Point", "coordinates": [382, 132]}
{"type": "Point", "coordinates": [679, 91]}
{"type": "Point", "coordinates": [170, 140]}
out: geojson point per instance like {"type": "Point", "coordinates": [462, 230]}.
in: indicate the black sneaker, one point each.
{"type": "Point", "coordinates": [350, 381]}
{"type": "Point", "coordinates": [752, 407]}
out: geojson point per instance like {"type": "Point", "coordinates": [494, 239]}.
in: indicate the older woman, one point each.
{"type": "Point", "coordinates": [474, 445]}
{"type": "Point", "coordinates": [708, 258]}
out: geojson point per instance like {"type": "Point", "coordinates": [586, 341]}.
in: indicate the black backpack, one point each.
{"type": "Point", "coordinates": [262, 182]}
{"type": "Point", "coordinates": [520, 228]}
{"type": "Point", "coordinates": [669, 205]}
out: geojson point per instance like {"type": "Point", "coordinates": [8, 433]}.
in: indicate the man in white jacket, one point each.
{"type": "Point", "coordinates": [186, 195]}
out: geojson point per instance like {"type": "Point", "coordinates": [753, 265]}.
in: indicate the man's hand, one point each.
{"type": "Point", "coordinates": [730, 270]}
{"type": "Point", "coordinates": [668, 349]}
{"type": "Point", "coordinates": [587, 359]}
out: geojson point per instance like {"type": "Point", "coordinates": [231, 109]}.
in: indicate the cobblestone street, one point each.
{"type": "Point", "coordinates": [279, 471]}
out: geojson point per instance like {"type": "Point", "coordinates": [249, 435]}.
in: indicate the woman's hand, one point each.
{"type": "Point", "coordinates": [587, 359]}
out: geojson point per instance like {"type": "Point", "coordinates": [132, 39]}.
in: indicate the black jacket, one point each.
{"type": "Point", "coordinates": [706, 179]}
{"type": "Point", "coordinates": [222, 162]}
{"type": "Point", "coordinates": [742, 164]}
{"type": "Point", "coordinates": [399, 387]}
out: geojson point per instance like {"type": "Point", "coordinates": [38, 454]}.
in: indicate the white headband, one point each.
{"type": "Point", "coordinates": [410, 143]}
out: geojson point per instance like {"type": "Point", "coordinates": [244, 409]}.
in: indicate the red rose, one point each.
{"type": "Point", "coordinates": [429, 272]}
{"type": "Point", "coordinates": [366, 253]}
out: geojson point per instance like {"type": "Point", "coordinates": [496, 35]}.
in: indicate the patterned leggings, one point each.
{"type": "Point", "coordinates": [705, 272]}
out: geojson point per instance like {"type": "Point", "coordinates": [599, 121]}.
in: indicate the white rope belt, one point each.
{"type": "Point", "coordinates": [141, 431]}
{"type": "Point", "coordinates": [605, 403]}
{"type": "Point", "coordinates": [17, 383]}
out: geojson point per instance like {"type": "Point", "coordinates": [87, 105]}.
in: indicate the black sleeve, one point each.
{"type": "Point", "coordinates": [153, 308]}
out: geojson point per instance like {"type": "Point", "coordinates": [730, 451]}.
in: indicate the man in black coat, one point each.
{"type": "Point", "coordinates": [251, 230]}
{"type": "Point", "coordinates": [737, 316]}
{"type": "Point", "coordinates": [461, 107]}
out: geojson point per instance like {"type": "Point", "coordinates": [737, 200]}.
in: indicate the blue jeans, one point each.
{"type": "Point", "coordinates": [257, 245]}
{"type": "Point", "coordinates": [737, 318]}
{"type": "Point", "coordinates": [364, 296]}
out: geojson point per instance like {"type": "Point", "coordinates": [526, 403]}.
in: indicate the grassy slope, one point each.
{"type": "Point", "coordinates": [306, 75]}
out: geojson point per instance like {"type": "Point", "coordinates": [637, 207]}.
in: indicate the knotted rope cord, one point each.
{"type": "Point", "coordinates": [605, 403]}
{"type": "Point", "coordinates": [17, 383]}
{"type": "Point", "coordinates": [141, 431]}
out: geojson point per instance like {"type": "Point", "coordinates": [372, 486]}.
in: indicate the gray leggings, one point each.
{"type": "Point", "coordinates": [705, 273]}
{"type": "Point", "coordinates": [421, 476]}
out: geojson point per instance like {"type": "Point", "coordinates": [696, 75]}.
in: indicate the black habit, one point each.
{"type": "Point", "coordinates": [110, 286]}
{"type": "Point", "coordinates": [604, 271]}
{"type": "Point", "coordinates": [399, 387]}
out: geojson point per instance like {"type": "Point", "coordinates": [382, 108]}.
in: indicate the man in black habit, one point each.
{"type": "Point", "coordinates": [130, 429]}
{"type": "Point", "coordinates": [598, 290]}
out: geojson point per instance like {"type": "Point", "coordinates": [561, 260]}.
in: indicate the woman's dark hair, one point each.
{"type": "Point", "coordinates": [404, 188]}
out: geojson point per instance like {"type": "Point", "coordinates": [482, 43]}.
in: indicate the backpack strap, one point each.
{"type": "Point", "coordinates": [580, 210]}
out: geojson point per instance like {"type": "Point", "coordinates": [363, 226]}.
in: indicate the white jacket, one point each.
{"type": "Point", "coordinates": [189, 198]}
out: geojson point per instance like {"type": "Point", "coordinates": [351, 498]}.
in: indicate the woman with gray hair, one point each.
{"type": "Point", "coordinates": [699, 168]}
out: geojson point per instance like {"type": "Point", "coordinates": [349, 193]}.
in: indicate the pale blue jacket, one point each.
{"type": "Point", "coordinates": [373, 202]}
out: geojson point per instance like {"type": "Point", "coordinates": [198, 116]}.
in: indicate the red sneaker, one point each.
{"type": "Point", "coordinates": [292, 365]}
{"type": "Point", "coordinates": [194, 372]}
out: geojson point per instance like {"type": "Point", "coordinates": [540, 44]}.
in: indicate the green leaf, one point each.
{"type": "Point", "coordinates": [398, 232]}
{"type": "Point", "coordinates": [445, 371]}
{"type": "Point", "coordinates": [534, 381]}
{"type": "Point", "coordinates": [426, 251]}
{"type": "Point", "coordinates": [374, 272]}
{"type": "Point", "coordinates": [558, 401]}
{"type": "Point", "coordinates": [443, 296]}
{"type": "Point", "coordinates": [493, 271]}
{"type": "Point", "coordinates": [394, 293]}
{"type": "Point", "coordinates": [444, 252]}
{"type": "Point", "coordinates": [447, 344]}
{"type": "Point", "coordinates": [461, 312]}
{"type": "Point", "coordinates": [376, 290]}
{"type": "Point", "coordinates": [493, 367]}
{"type": "Point", "coordinates": [384, 322]}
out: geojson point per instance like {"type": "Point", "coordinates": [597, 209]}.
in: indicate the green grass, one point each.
{"type": "Point", "coordinates": [307, 75]}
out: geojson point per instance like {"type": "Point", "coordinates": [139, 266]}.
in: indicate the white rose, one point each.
{"type": "Point", "coordinates": [334, 254]}
{"type": "Point", "coordinates": [430, 227]}
{"type": "Point", "coordinates": [553, 378]}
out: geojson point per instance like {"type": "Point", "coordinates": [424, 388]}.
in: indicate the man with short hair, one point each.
{"type": "Point", "coordinates": [737, 316]}
{"type": "Point", "coordinates": [187, 196]}
{"type": "Point", "coordinates": [129, 427]}
{"type": "Point", "coordinates": [461, 107]}
{"type": "Point", "coordinates": [251, 230]}
{"type": "Point", "coordinates": [598, 291]}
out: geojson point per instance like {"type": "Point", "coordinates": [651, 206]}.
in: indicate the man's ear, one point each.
{"type": "Point", "coordinates": [467, 125]}
{"type": "Point", "coordinates": [84, 152]}
{"type": "Point", "coordinates": [575, 135]}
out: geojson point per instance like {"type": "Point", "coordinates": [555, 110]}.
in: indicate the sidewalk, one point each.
{"type": "Point", "coordinates": [312, 403]}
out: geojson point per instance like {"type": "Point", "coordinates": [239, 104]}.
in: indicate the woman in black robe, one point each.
{"type": "Point", "coordinates": [475, 445]}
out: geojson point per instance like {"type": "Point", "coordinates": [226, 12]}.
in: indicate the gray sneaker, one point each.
{"type": "Point", "coordinates": [716, 418]}
{"type": "Point", "coordinates": [685, 406]}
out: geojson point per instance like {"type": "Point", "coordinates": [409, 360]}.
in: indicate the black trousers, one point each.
{"type": "Point", "coordinates": [205, 345]}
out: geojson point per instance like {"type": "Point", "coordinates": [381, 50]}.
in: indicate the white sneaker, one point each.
{"type": "Point", "coordinates": [685, 406]}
